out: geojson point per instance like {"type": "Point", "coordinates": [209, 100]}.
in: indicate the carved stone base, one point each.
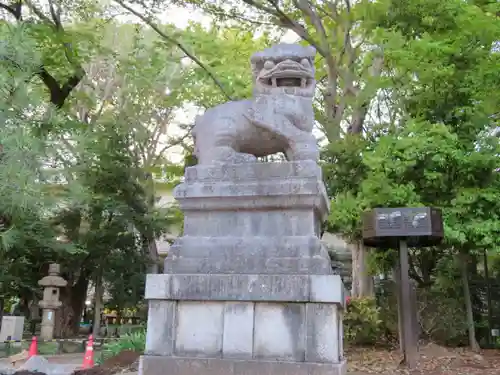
{"type": "Point", "coordinates": [152, 365]}
{"type": "Point", "coordinates": [269, 317]}
{"type": "Point", "coordinates": [249, 288]}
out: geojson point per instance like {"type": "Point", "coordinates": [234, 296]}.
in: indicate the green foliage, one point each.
{"type": "Point", "coordinates": [25, 230]}
{"type": "Point", "coordinates": [227, 52]}
{"type": "Point", "coordinates": [442, 316]}
{"type": "Point", "coordinates": [125, 280]}
{"type": "Point", "coordinates": [135, 341]}
{"type": "Point", "coordinates": [84, 181]}
{"type": "Point", "coordinates": [442, 152]}
{"type": "Point", "coordinates": [434, 145]}
{"type": "Point", "coordinates": [112, 152]}
{"type": "Point", "coordinates": [420, 164]}
{"type": "Point", "coordinates": [440, 307]}
{"type": "Point", "coordinates": [362, 322]}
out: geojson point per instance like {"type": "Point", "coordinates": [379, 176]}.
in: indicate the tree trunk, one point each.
{"type": "Point", "coordinates": [473, 273]}
{"type": "Point", "coordinates": [1, 311]}
{"type": "Point", "coordinates": [463, 260]}
{"type": "Point", "coordinates": [79, 295]}
{"type": "Point", "coordinates": [488, 298]}
{"type": "Point", "coordinates": [73, 302]}
{"type": "Point", "coordinates": [332, 127]}
{"type": "Point", "coordinates": [148, 239]}
{"type": "Point", "coordinates": [99, 289]}
{"type": "Point", "coordinates": [25, 309]}
{"type": "Point", "coordinates": [150, 250]}
{"type": "Point", "coordinates": [362, 281]}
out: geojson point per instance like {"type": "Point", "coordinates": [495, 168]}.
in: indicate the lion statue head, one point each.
{"type": "Point", "coordinates": [284, 86]}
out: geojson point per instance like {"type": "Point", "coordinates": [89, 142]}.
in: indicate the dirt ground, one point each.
{"type": "Point", "coordinates": [434, 360]}
{"type": "Point", "coordinates": [124, 361]}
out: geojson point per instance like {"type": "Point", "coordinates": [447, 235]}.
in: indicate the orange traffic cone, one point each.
{"type": "Point", "coordinates": [88, 359]}
{"type": "Point", "coordinates": [33, 347]}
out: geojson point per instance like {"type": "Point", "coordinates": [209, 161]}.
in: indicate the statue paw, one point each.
{"type": "Point", "coordinates": [240, 158]}
{"type": "Point", "coordinates": [303, 151]}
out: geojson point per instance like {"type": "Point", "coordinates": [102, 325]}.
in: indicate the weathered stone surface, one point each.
{"type": "Point", "coordinates": [301, 170]}
{"type": "Point", "coordinates": [287, 266]}
{"type": "Point", "coordinates": [199, 329]}
{"type": "Point", "coordinates": [322, 342]}
{"type": "Point", "coordinates": [245, 330]}
{"type": "Point", "coordinates": [238, 330]}
{"type": "Point", "coordinates": [325, 288]}
{"type": "Point", "coordinates": [279, 118]}
{"type": "Point", "coordinates": [279, 332]}
{"type": "Point", "coordinates": [340, 325]}
{"type": "Point", "coordinates": [245, 287]}
{"type": "Point", "coordinates": [161, 329]}
{"type": "Point", "coordinates": [219, 248]}
{"type": "Point", "coordinates": [194, 366]}
{"type": "Point", "coordinates": [274, 223]}
{"type": "Point", "coordinates": [252, 210]}
{"type": "Point", "coordinates": [250, 189]}
{"type": "Point", "coordinates": [242, 189]}
{"type": "Point", "coordinates": [252, 255]}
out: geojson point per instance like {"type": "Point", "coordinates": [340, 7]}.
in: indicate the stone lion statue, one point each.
{"type": "Point", "coordinates": [279, 117]}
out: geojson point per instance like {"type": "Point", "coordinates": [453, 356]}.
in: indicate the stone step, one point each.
{"type": "Point", "coordinates": [220, 248]}
{"type": "Point", "coordinates": [245, 287]}
{"type": "Point", "coordinates": [245, 265]}
{"type": "Point", "coordinates": [303, 170]}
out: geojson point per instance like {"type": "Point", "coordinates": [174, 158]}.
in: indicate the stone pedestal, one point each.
{"type": "Point", "coordinates": [248, 289]}
{"type": "Point", "coordinates": [50, 302]}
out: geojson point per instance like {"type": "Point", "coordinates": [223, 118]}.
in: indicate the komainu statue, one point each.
{"type": "Point", "coordinates": [279, 117]}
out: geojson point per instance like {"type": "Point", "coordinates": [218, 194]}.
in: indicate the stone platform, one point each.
{"type": "Point", "coordinates": [190, 366]}
{"type": "Point", "coordinates": [248, 288]}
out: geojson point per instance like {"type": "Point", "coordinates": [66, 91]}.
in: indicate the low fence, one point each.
{"type": "Point", "coordinates": [485, 294]}
{"type": "Point", "coordinates": [442, 315]}
{"type": "Point", "coordinates": [54, 346]}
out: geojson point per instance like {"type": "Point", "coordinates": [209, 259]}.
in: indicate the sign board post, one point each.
{"type": "Point", "coordinates": [399, 228]}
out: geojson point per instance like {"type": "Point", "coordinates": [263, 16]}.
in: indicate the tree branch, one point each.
{"type": "Point", "coordinates": [305, 7]}
{"type": "Point", "coordinates": [359, 114]}
{"type": "Point", "coordinates": [175, 42]}
{"type": "Point", "coordinates": [56, 15]}
{"type": "Point", "coordinates": [14, 9]}
{"type": "Point", "coordinates": [162, 121]}
{"type": "Point", "coordinates": [285, 21]}
{"type": "Point", "coordinates": [58, 94]}
{"type": "Point", "coordinates": [413, 270]}
{"type": "Point", "coordinates": [222, 14]}
{"type": "Point", "coordinates": [38, 12]}
{"type": "Point", "coordinates": [170, 144]}
{"type": "Point", "coordinates": [331, 63]}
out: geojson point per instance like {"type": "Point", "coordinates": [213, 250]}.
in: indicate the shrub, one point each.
{"type": "Point", "coordinates": [134, 341]}
{"type": "Point", "coordinates": [362, 323]}
{"type": "Point", "coordinates": [441, 314]}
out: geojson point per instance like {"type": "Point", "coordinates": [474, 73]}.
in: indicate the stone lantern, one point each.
{"type": "Point", "coordinates": [50, 301]}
